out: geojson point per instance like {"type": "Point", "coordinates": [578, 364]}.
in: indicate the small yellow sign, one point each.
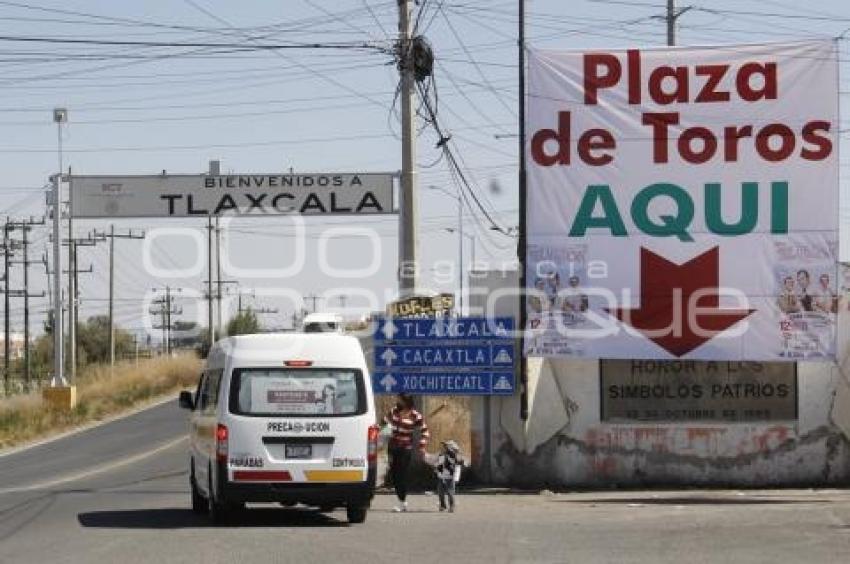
{"type": "Point", "coordinates": [334, 475]}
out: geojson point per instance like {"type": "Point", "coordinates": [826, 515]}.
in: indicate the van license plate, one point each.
{"type": "Point", "coordinates": [298, 451]}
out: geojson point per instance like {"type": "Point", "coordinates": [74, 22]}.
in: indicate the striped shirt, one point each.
{"type": "Point", "coordinates": [404, 427]}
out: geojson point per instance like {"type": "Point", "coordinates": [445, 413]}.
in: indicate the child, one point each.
{"type": "Point", "coordinates": [449, 463]}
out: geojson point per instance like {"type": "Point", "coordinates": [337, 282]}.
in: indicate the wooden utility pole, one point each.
{"type": "Point", "coordinates": [218, 281]}
{"type": "Point", "coordinates": [24, 226]}
{"type": "Point", "coordinates": [672, 19]}
{"type": "Point", "coordinates": [313, 298]}
{"type": "Point", "coordinates": [165, 310]}
{"type": "Point", "coordinates": [8, 249]}
{"type": "Point", "coordinates": [257, 310]}
{"type": "Point", "coordinates": [73, 297]}
{"type": "Point", "coordinates": [217, 296]}
{"type": "Point", "coordinates": [210, 326]}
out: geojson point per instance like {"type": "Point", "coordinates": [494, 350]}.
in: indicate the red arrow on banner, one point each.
{"type": "Point", "coordinates": [679, 304]}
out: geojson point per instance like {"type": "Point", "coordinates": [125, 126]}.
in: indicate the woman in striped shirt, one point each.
{"type": "Point", "coordinates": [404, 421]}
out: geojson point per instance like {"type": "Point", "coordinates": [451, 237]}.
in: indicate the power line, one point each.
{"type": "Point", "coordinates": [254, 46]}
{"type": "Point", "coordinates": [455, 167]}
{"type": "Point", "coordinates": [331, 80]}
{"type": "Point", "coordinates": [735, 12]}
{"type": "Point", "coordinates": [474, 62]}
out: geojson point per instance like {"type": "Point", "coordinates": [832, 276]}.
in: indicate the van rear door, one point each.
{"type": "Point", "coordinates": [298, 423]}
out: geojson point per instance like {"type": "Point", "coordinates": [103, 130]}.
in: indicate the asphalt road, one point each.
{"type": "Point", "coordinates": [118, 493]}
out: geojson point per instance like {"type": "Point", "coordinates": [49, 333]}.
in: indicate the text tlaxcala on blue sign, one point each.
{"type": "Point", "coordinates": [451, 356]}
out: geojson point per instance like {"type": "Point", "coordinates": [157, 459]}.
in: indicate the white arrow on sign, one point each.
{"type": "Point", "coordinates": [389, 329]}
{"type": "Point", "coordinates": [388, 382]}
{"type": "Point", "coordinates": [388, 357]}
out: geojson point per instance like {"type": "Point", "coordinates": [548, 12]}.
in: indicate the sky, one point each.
{"type": "Point", "coordinates": [142, 110]}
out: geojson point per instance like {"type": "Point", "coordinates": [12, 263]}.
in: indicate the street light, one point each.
{"type": "Point", "coordinates": [459, 199]}
{"type": "Point", "coordinates": [471, 238]}
{"type": "Point", "coordinates": [60, 116]}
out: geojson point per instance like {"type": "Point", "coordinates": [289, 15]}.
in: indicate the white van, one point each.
{"type": "Point", "coordinates": [323, 323]}
{"type": "Point", "coordinates": [286, 418]}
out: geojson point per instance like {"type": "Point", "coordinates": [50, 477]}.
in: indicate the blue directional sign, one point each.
{"type": "Point", "coordinates": [444, 329]}
{"type": "Point", "coordinates": [458, 356]}
{"type": "Point", "coordinates": [443, 356]}
{"type": "Point", "coordinates": [445, 383]}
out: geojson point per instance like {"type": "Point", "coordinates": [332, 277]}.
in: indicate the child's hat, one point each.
{"type": "Point", "coordinates": [451, 445]}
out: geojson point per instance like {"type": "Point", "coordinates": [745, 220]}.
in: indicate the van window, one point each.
{"type": "Point", "coordinates": [198, 390]}
{"type": "Point", "coordinates": [209, 391]}
{"type": "Point", "coordinates": [321, 327]}
{"type": "Point", "coordinates": [301, 392]}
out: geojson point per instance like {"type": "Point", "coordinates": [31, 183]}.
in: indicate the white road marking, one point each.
{"type": "Point", "coordinates": [95, 470]}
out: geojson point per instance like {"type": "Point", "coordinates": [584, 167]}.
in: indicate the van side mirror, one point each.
{"type": "Point", "coordinates": [186, 401]}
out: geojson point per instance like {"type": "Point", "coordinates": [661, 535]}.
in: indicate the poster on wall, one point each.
{"type": "Point", "coordinates": [683, 203]}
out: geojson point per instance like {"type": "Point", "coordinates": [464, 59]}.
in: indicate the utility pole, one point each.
{"type": "Point", "coordinates": [313, 298]}
{"type": "Point", "coordinates": [218, 274]}
{"type": "Point", "coordinates": [73, 297]}
{"type": "Point", "coordinates": [671, 22]}
{"type": "Point", "coordinates": [165, 311]}
{"type": "Point", "coordinates": [260, 310]}
{"type": "Point", "coordinates": [72, 306]}
{"type": "Point", "coordinates": [672, 19]}
{"type": "Point", "coordinates": [407, 221]}
{"type": "Point", "coordinates": [112, 235]}
{"type": "Point", "coordinates": [522, 243]}
{"type": "Point", "coordinates": [26, 261]}
{"type": "Point", "coordinates": [220, 284]}
{"type": "Point", "coordinates": [111, 298]}
{"type": "Point", "coordinates": [167, 321]}
{"type": "Point", "coordinates": [72, 301]}
{"type": "Point", "coordinates": [25, 226]}
{"type": "Point", "coordinates": [214, 170]}
{"type": "Point", "coordinates": [461, 237]}
{"type": "Point", "coordinates": [7, 250]}
{"type": "Point", "coordinates": [211, 327]}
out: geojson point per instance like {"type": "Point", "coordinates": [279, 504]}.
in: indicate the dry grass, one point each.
{"type": "Point", "coordinates": [100, 394]}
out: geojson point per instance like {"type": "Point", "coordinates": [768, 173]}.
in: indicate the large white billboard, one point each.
{"type": "Point", "coordinates": [200, 195]}
{"type": "Point", "coordinates": [683, 202]}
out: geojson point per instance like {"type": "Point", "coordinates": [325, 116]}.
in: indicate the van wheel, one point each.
{"type": "Point", "coordinates": [199, 503]}
{"type": "Point", "coordinates": [356, 513]}
{"type": "Point", "coordinates": [217, 511]}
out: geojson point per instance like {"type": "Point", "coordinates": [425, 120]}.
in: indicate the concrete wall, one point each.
{"type": "Point", "coordinates": [565, 444]}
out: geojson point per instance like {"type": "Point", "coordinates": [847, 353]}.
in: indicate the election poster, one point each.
{"type": "Point", "coordinates": [683, 203]}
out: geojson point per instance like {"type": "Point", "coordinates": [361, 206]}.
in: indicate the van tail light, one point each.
{"type": "Point", "coordinates": [374, 433]}
{"type": "Point", "coordinates": [298, 363]}
{"type": "Point", "coordinates": [221, 443]}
